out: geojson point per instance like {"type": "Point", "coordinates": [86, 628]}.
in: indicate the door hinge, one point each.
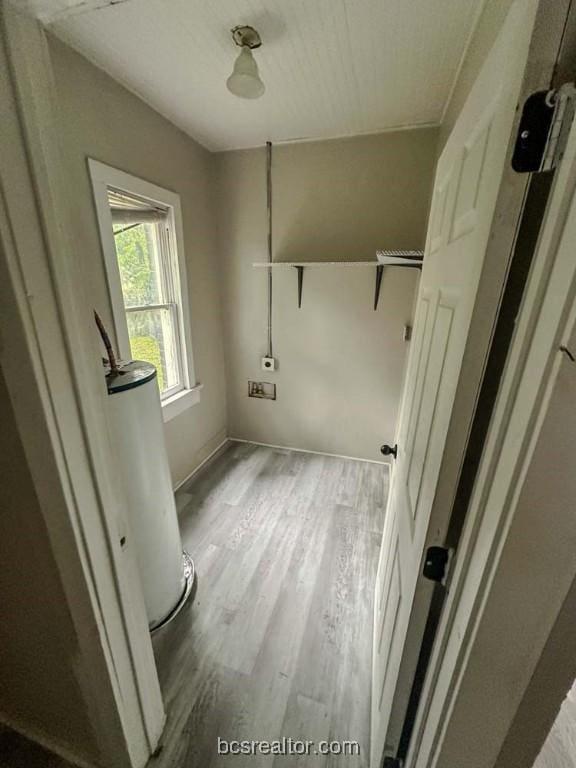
{"type": "Point", "coordinates": [543, 131]}
{"type": "Point", "coordinates": [436, 564]}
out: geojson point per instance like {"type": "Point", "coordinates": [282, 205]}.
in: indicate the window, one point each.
{"type": "Point", "coordinates": [141, 232]}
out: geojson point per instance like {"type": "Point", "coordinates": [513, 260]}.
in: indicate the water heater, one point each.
{"type": "Point", "coordinates": [136, 427]}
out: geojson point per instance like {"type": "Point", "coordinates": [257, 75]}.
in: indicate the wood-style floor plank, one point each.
{"type": "Point", "coordinates": [277, 642]}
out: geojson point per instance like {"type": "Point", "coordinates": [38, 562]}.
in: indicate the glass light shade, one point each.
{"type": "Point", "coordinates": [245, 81]}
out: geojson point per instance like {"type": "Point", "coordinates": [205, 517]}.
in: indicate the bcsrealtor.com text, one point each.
{"type": "Point", "coordinates": [287, 746]}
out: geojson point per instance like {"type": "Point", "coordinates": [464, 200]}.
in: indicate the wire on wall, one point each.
{"type": "Point", "coordinates": [269, 221]}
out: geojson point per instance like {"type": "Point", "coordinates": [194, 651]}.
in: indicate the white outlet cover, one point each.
{"type": "Point", "coordinates": [268, 364]}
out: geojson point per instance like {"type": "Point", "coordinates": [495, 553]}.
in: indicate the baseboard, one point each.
{"type": "Point", "coordinates": [305, 450]}
{"type": "Point", "coordinates": [34, 735]}
{"type": "Point", "coordinates": [211, 455]}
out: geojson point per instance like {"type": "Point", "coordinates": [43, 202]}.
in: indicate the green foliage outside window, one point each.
{"type": "Point", "coordinates": [147, 348]}
{"type": "Point", "coordinates": [135, 252]}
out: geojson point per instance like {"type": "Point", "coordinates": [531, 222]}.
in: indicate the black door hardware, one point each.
{"type": "Point", "coordinates": [388, 450]}
{"type": "Point", "coordinates": [533, 132]}
{"type": "Point", "coordinates": [546, 121]}
{"type": "Point", "coordinates": [435, 564]}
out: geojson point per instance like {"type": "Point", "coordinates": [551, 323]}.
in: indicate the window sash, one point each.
{"type": "Point", "coordinates": [174, 330]}
{"type": "Point", "coordinates": [168, 291]}
{"type": "Point", "coordinates": [144, 307]}
{"type": "Point", "coordinates": [175, 285]}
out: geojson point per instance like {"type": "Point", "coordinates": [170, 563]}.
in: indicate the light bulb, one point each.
{"type": "Point", "coordinates": [245, 80]}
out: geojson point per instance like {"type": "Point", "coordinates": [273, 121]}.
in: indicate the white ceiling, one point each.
{"type": "Point", "coordinates": [331, 67]}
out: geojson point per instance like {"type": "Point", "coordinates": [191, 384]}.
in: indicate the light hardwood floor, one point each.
{"type": "Point", "coordinates": [277, 642]}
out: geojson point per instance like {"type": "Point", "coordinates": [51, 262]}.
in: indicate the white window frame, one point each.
{"type": "Point", "coordinates": [105, 176]}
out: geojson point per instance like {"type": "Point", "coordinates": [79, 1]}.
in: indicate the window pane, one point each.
{"type": "Point", "coordinates": [137, 253]}
{"type": "Point", "coordinates": [152, 335]}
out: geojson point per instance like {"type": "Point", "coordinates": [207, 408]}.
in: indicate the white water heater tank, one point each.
{"type": "Point", "coordinates": [136, 428]}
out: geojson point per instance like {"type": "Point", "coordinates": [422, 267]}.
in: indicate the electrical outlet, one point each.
{"type": "Point", "coordinates": [262, 389]}
{"type": "Point", "coordinates": [268, 364]}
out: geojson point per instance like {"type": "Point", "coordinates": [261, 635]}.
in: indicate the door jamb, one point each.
{"type": "Point", "coordinates": [60, 412]}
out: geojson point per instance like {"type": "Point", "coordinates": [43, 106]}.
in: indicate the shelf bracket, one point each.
{"type": "Point", "coordinates": [379, 272]}
{"type": "Point", "coordinates": [300, 271]}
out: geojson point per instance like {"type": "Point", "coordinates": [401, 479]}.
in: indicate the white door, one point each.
{"type": "Point", "coordinates": [518, 493]}
{"type": "Point", "coordinates": [466, 187]}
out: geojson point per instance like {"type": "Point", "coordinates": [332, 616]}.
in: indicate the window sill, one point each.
{"type": "Point", "coordinates": [177, 404]}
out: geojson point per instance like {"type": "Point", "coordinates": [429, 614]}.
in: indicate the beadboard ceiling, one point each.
{"type": "Point", "coordinates": [331, 67]}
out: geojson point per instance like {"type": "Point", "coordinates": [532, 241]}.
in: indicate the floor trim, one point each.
{"type": "Point", "coordinates": [305, 450]}
{"type": "Point", "coordinates": [211, 455]}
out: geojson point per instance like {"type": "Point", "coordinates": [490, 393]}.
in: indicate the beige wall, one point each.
{"type": "Point", "coordinates": [336, 200]}
{"type": "Point", "coordinates": [101, 119]}
{"type": "Point", "coordinates": [37, 636]}
{"type": "Point", "coordinates": [489, 24]}
{"type": "Point", "coordinates": [340, 363]}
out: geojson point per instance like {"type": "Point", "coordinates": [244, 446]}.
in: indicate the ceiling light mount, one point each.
{"type": "Point", "coordinates": [245, 79]}
{"type": "Point", "coordinates": [244, 35]}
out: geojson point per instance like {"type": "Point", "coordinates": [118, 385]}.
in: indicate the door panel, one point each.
{"type": "Point", "coordinates": [390, 614]}
{"type": "Point", "coordinates": [419, 375]}
{"type": "Point", "coordinates": [438, 215]}
{"type": "Point", "coordinates": [464, 198]}
{"type": "Point", "coordinates": [428, 401]}
{"type": "Point", "coordinates": [471, 174]}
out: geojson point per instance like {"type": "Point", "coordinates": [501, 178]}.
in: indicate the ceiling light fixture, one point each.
{"type": "Point", "coordinates": [245, 80]}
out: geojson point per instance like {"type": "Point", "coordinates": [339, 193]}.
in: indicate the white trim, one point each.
{"type": "Point", "coordinates": [211, 455]}
{"type": "Point", "coordinates": [103, 176]}
{"type": "Point", "coordinates": [401, 127]}
{"type": "Point", "coordinates": [386, 260]}
{"type": "Point", "coordinates": [305, 450]}
{"type": "Point", "coordinates": [268, 445]}
{"type": "Point", "coordinates": [48, 16]}
{"type": "Point", "coordinates": [104, 217]}
{"type": "Point", "coordinates": [181, 401]}
{"type": "Point", "coordinates": [48, 347]}
{"type": "Point", "coordinates": [286, 264]}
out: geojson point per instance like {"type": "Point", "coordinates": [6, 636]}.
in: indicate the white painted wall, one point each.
{"type": "Point", "coordinates": [340, 363]}
{"type": "Point", "coordinates": [101, 119]}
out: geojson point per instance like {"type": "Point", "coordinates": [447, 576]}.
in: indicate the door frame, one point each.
{"type": "Point", "coordinates": [51, 363]}
{"type": "Point", "coordinates": [471, 407]}
{"type": "Point", "coordinates": [520, 207]}
{"type": "Point", "coordinates": [551, 58]}
{"type": "Point", "coordinates": [511, 445]}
